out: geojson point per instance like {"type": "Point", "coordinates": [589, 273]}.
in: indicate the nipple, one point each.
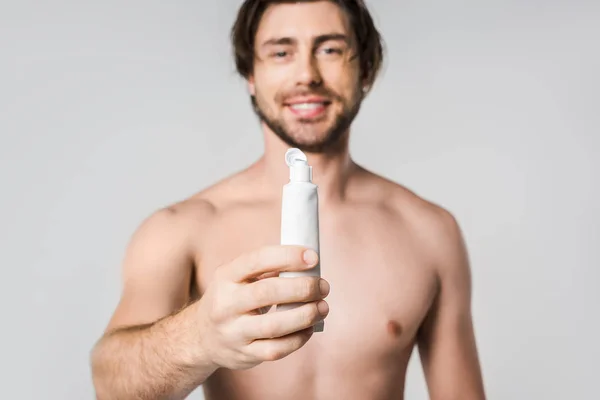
{"type": "Point", "coordinates": [394, 328]}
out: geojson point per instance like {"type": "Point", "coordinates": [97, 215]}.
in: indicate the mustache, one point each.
{"type": "Point", "coordinates": [305, 92]}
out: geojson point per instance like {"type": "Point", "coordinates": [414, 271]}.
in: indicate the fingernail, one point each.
{"type": "Point", "coordinates": [324, 287]}
{"type": "Point", "coordinates": [323, 308]}
{"type": "Point", "coordinates": [310, 257]}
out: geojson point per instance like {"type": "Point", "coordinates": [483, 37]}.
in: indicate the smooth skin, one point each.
{"type": "Point", "coordinates": [201, 276]}
{"type": "Point", "coordinates": [226, 329]}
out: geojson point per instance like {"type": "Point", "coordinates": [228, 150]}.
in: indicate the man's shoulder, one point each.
{"type": "Point", "coordinates": [176, 223]}
{"type": "Point", "coordinates": [434, 226]}
{"type": "Point", "coordinates": [437, 231]}
{"type": "Point", "coordinates": [198, 210]}
{"type": "Point", "coordinates": [411, 206]}
{"type": "Point", "coordinates": [200, 207]}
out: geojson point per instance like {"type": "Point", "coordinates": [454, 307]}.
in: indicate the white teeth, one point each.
{"type": "Point", "coordinates": [306, 106]}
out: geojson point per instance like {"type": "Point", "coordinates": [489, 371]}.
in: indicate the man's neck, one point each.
{"type": "Point", "coordinates": [331, 170]}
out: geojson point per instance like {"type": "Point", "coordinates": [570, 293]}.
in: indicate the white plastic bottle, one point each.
{"type": "Point", "coordinates": [300, 216]}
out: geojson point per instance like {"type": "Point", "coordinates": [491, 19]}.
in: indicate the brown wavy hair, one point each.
{"type": "Point", "coordinates": [369, 42]}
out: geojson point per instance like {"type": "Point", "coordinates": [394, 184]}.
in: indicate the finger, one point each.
{"type": "Point", "coordinates": [264, 276]}
{"type": "Point", "coordinates": [282, 323]}
{"type": "Point", "coordinates": [270, 259]}
{"type": "Point", "coordinates": [272, 291]}
{"type": "Point", "coordinates": [277, 348]}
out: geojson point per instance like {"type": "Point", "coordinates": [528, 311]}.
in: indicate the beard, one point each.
{"type": "Point", "coordinates": [308, 137]}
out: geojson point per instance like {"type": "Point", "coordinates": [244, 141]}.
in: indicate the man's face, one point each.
{"type": "Point", "coordinates": [306, 82]}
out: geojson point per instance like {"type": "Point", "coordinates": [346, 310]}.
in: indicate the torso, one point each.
{"type": "Point", "coordinates": [382, 286]}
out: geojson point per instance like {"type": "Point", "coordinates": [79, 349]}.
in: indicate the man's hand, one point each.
{"type": "Point", "coordinates": [235, 332]}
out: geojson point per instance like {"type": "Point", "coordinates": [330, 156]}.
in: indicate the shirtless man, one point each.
{"type": "Point", "coordinates": [199, 275]}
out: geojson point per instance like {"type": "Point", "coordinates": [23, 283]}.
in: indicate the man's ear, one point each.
{"type": "Point", "coordinates": [365, 83]}
{"type": "Point", "coordinates": [251, 87]}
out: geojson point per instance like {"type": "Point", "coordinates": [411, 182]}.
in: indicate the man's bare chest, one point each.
{"type": "Point", "coordinates": [381, 290]}
{"type": "Point", "coordinates": [381, 286]}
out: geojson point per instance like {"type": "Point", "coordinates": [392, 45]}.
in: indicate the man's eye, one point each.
{"type": "Point", "coordinates": [333, 50]}
{"type": "Point", "coordinates": [280, 54]}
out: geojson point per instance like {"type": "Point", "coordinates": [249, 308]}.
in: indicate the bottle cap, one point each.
{"type": "Point", "coordinates": [300, 171]}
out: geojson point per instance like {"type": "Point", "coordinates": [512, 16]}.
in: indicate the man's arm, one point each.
{"type": "Point", "coordinates": [151, 347]}
{"type": "Point", "coordinates": [447, 343]}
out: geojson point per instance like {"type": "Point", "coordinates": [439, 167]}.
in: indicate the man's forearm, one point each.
{"type": "Point", "coordinates": [163, 360]}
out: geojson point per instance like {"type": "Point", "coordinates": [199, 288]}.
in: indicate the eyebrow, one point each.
{"type": "Point", "coordinates": [317, 40]}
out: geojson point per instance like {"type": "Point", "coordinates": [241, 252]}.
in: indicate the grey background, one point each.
{"type": "Point", "coordinates": [110, 110]}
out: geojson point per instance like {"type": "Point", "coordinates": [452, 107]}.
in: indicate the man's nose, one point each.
{"type": "Point", "coordinates": [308, 73]}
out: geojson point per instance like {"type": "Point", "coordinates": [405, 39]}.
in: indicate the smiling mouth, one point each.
{"type": "Point", "coordinates": [312, 109]}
